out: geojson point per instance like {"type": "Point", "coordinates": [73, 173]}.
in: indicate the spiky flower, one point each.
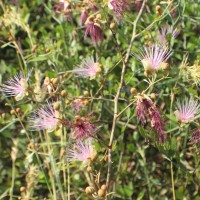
{"type": "Point", "coordinates": [138, 5]}
{"type": "Point", "coordinates": [146, 110]}
{"type": "Point", "coordinates": [81, 151]}
{"type": "Point", "coordinates": [82, 128]}
{"type": "Point", "coordinates": [187, 109]}
{"type": "Point", "coordinates": [94, 30]}
{"type": "Point", "coordinates": [88, 68]}
{"type": "Point", "coordinates": [118, 7]}
{"type": "Point", "coordinates": [154, 58]}
{"type": "Point", "coordinates": [16, 86]}
{"type": "Point", "coordinates": [166, 33]}
{"type": "Point", "coordinates": [45, 118]}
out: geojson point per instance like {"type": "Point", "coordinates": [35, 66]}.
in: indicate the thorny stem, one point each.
{"type": "Point", "coordinates": [115, 116]}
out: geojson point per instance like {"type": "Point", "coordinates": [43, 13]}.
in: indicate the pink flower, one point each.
{"type": "Point", "coordinates": [45, 118]}
{"type": "Point", "coordinates": [165, 33]}
{"type": "Point", "coordinates": [16, 86]}
{"type": "Point", "coordinates": [88, 68]}
{"type": "Point", "coordinates": [187, 109]}
{"type": "Point", "coordinates": [81, 151]}
{"type": "Point", "coordinates": [118, 7]}
{"type": "Point", "coordinates": [84, 16]}
{"type": "Point", "coordinates": [154, 57]}
{"type": "Point", "coordinates": [146, 110]}
{"type": "Point", "coordinates": [82, 128]}
{"type": "Point", "coordinates": [94, 31]}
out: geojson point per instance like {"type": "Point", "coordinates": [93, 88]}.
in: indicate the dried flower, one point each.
{"type": "Point", "coordinates": [166, 33]}
{"type": "Point", "coordinates": [195, 136]}
{"type": "Point", "coordinates": [84, 16]}
{"type": "Point", "coordinates": [146, 110]}
{"type": "Point", "coordinates": [45, 118]}
{"type": "Point", "coordinates": [82, 128]}
{"type": "Point", "coordinates": [88, 68]}
{"type": "Point", "coordinates": [154, 57]}
{"type": "Point", "coordinates": [16, 86]}
{"type": "Point", "coordinates": [95, 32]}
{"type": "Point", "coordinates": [118, 7]}
{"type": "Point", "coordinates": [81, 151]}
{"type": "Point", "coordinates": [77, 105]}
{"type": "Point", "coordinates": [186, 110]}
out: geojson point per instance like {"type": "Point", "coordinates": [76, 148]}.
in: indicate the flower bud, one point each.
{"type": "Point", "coordinates": [22, 189]}
{"type": "Point", "coordinates": [63, 93]}
{"type": "Point", "coordinates": [55, 81]}
{"type": "Point", "coordinates": [3, 115]}
{"type": "Point", "coordinates": [85, 93]}
{"type": "Point", "coordinates": [153, 95]}
{"type": "Point", "coordinates": [133, 90]}
{"type": "Point", "coordinates": [101, 193]}
{"type": "Point", "coordinates": [56, 106]}
{"type": "Point", "coordinates": [112, 25]}
{"type": "Point", "coordinates": [18, 110]}
{"type": "Point", "coordinates": [89, 169]}
{"type": "Point", "coordinates": [12, 112]}
{"type": "Point", "coordinates": [103, 187]}
{"type": "Point", "coordinates": [89, 190]}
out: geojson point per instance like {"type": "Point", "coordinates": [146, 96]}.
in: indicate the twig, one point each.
{"type": "Point", "coordinates": [115, 116]}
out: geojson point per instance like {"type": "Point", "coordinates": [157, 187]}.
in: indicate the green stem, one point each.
{"type": "Point", "coordinates": [13, 180]}
{"type": "Point", "coordinates": [172, 179]}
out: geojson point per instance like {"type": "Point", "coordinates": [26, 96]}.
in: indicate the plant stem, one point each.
{"type": "Point", "coordinates": [13, 180]}
{"type": "Point", "coordinates": [172, 179]}
{"type": "Point", "coordinates": [115, 114]}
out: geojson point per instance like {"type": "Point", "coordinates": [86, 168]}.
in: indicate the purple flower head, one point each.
{"type": "Point", "coordinates": [165, 33]}
{"type": "Point", "coordinates": [82, 128]}
{"type": "Point", "coordinates": [138, 5]}
{"type": "Point", "coordinates": [118, 7]}
{"type": "Point", "coordinates": [154, 57]}
{"type": "Point", "coordinates": [88, 68]}
{"type": "Point", "coordinates": [146, 110]}
{"type": "Point", "coordinates": [84, 16]}
{"type": "Point", "coordinates": [187, 109]}
{"type": "Point", "coordinates": [195, 136]}
{"type": "Point", "coordinates": [81, 151]}
{"type": "Point", "coordinates": [94, 31]}
{"type": "Point", "coordinates": [16, 86]}
{"type": "Point", "coordinates": [45, 118]}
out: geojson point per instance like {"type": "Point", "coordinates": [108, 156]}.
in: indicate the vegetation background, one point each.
{"type": "Point", "coordinates": [33, 165]}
